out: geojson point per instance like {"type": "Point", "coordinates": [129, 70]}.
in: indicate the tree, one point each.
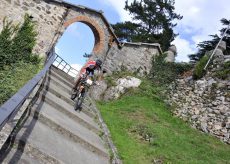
{"type": "Point", "coordinates": [127, 31]}
{"type": "Point", "coordinates": [25, 40]}
{"type": "Point", "coordinates": [6, 41]}
{"type": "Point", "coordinates": [152, 22]}
{"type": "Point", "coordinates": [209, 45]}
{"type": "Point", "coordinates": [17, 42]}
{"type": "Point", "coordinates": [87, 55]}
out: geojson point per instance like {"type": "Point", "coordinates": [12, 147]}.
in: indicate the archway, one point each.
{"type": "Point", "coordinates": [97, 31]}
{"type": "Point", "coordinates": [77, 40]}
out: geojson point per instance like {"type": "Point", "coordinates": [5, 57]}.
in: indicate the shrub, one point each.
{"type": "Point", "coordinates": [163, 73]}
{"type": "Point", "coordinates": [224, 72]}
{"type": "Point", "coordinates": [199, 71]}
{"type": "Point", "coordinates": [13, 78]}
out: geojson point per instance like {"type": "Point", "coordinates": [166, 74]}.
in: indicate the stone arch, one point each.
{"type": "Point", "coordinates": [97, 31]}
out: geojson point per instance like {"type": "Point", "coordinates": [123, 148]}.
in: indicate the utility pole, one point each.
{"type": "Point", "coordinates": [216, 47]}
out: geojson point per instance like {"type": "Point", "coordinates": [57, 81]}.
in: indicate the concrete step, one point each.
{"type": "Point", "coordinates": [54, 132]}
{"type": "Point", "coordinates": [56, 145]}
{"type": "Point", "coordinates": [58, 101]}
{"type": "Point", "coordinates": [69, 111]}
{"type": "Point", "coordinates": [62, 73]}
{"type": "Point", "coordinates": [61, 78]}
{"type": "Point", "coordinates": [23, 153]}
{"type": "Point", "coordinates": [62, 91]}
{"type": "Point", "coordinates": [69, 128]}
{"type": "Point", "coordinates": [55, 90]}
{"type": "Point", "coordinates": [79, 118]}
{"type": "Point", "coordinates": [55, 81]}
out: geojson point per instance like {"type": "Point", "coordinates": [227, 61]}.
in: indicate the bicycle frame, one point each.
{"type": "Point", "coordinates": [84, 85]}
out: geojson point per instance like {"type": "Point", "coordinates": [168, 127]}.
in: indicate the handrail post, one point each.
{"type": "Point", "coordinates": [64, 66]}
{"type": "Point", "coordinates": [60, 63]}
{"type": "Point", "coordinates": [71, 69]}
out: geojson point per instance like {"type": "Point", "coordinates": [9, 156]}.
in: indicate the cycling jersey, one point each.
{"type": "Point", "coordinates": [89, 68]}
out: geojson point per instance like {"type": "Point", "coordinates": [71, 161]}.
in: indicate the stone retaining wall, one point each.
{"type": "Point", "coordinates": [205, 103]}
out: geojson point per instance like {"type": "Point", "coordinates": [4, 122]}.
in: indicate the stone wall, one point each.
{"type": "Point", "coordinates": [48, 18]}
{"type": "Point", "coordinates": [53, 17]}
{"type": "Point", "coordinates": [205, 103]}
{"type": "Point", "coordinates": [132, 57]}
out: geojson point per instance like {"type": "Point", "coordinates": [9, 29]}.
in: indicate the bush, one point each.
{"type": "Point", "coordinates": [224, 73]}
{"type": "Point", "coordinates": [163, 73]}
{"type": "Point", "coordinates": [199, 71]}
{"type": "Point", "coordinates": [13, 78]}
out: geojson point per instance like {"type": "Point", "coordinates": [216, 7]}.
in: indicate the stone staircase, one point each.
{"type": "Point", "coordinates": [52, 132]}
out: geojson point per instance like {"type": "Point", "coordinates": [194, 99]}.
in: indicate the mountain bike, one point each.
{"type": "Point", "coordinates": [80, 92]}
{"type": "Point", "coordinates": [82, 89]}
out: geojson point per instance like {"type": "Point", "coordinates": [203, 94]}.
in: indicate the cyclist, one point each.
{"type": "Point", "coordinates": [88, 69]}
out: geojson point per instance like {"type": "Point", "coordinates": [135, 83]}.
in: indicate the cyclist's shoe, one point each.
{"type": "Point", "coordinates": [73, 96]}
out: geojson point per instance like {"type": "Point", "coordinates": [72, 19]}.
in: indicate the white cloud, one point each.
{"type": "Point", "coordinates": [76, 66]}
{"type": "Point", "coordinates": [57, 50]}
{"type": "Point", "coordinates": [194, 10]}
{"type": "Point", "coordinates": [74, 30]}
{"type": "Point", "coordinates": [118, 5]}
{"type": "Point", "coordinates": [183, 49]}
{"type": "Point", "coordinates": [73, 72]}
{"type": "Point", "coordinates": [202, 17]}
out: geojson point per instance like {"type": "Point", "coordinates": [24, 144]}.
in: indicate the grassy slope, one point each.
{"type": "Point", "coordinates": [16, 78]}
{"type": "Point", "coordinates": [133, 116]}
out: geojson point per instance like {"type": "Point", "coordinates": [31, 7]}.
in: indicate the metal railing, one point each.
{"type": "Point", "coordinates": [10, 108]}
{"type": "Point", "coordinates": [64, 66]}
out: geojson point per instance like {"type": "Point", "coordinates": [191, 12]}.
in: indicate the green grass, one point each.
{"type": "Point", "coordinates": [134, 116]}
{"type": "Point", "coordinates": [12, 79]}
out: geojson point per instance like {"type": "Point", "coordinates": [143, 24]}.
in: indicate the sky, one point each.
{"type": "Point", "coordinates": [201, 18]}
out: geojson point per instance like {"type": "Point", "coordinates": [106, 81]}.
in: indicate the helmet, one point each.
{"type": "Point", "coordinates": [99, 62]}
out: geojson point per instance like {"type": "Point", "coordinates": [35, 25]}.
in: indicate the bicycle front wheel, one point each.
{"type": "Point", "coordinates": [74, 94]}
{"type": "Point", "coordinates": [79, 101]}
